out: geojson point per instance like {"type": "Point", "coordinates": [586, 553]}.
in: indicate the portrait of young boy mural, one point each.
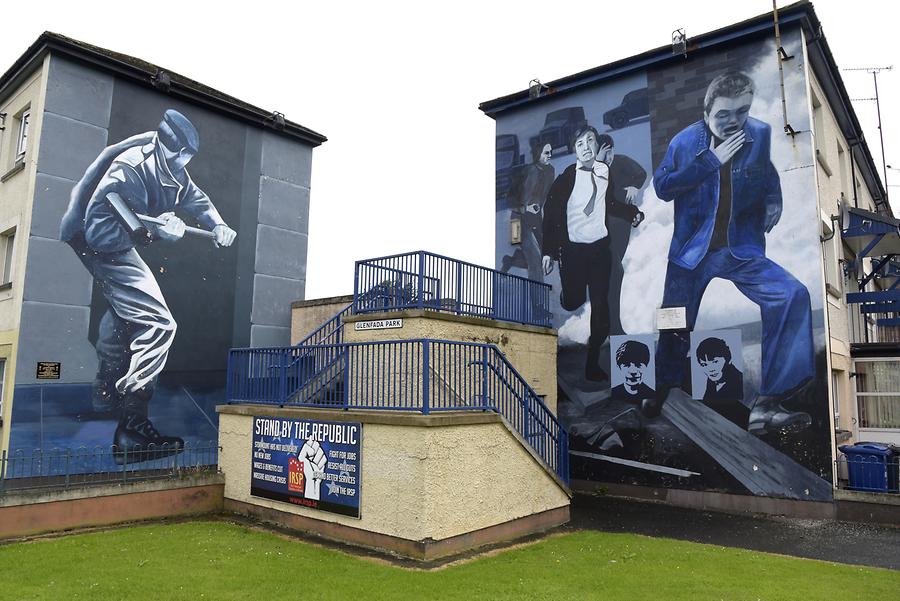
{"type": "Point", "coordinates": [724, 231]}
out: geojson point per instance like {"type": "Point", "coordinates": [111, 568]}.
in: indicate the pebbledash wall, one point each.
{"type": "Point", "coordinates": [255, 173]}
{"type": "Point", "coordinates": [768, 313]}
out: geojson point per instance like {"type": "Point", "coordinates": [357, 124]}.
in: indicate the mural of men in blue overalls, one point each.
{"type": "Point", "coordinates": [127, 198]}
{"type": "Point", "coordinates": [727, 197]}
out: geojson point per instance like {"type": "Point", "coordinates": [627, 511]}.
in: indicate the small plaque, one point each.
{"type": "Point", "coordinates": [48, 370]}
{"type": "Point", "coordinates": [515, 231]}
{"type": "Point", "coordinates": [378, 324]}
{"type": "Point", "coordinates": [671, 318]}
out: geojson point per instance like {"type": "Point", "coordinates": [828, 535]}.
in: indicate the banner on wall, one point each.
{"type": "Point", "coordinates": [311, 463]}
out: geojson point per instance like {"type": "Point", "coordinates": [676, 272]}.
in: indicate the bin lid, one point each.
{"type": "Point", "coordinates": [867, 448]}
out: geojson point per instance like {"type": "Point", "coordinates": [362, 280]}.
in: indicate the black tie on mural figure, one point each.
{"type": "Point", "coordinates": [131, 197]}
{"type": "Point", "coordinates": [576, 235]}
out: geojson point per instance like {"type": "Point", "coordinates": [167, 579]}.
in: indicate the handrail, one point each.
{"type": "Point", "coordinates": [403, 281]}
{"type": "Point", "coordinates": [423, 375]}
{"type": "Point", "coordinates": [334, 328]}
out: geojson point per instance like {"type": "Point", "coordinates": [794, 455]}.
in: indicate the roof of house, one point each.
{"type": "Point", "coordinates": [148, 74]}
{"type": "Point", "coordinates": [820, 59]}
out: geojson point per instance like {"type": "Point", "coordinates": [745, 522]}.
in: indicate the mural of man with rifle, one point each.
{"type": "Point", "coordinates": [128, 198]}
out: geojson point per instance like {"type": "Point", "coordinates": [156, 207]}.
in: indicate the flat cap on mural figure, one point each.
{"type": "Point", "coordinates": [144, 175]}
{"type": "Point", "coordinates": [727, 197]}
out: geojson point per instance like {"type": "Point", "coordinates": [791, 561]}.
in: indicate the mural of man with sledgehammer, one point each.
{"type": "Point", "coordinates": [127, 198]}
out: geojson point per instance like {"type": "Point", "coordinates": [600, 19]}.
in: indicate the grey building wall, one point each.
{"type": "Point", "coordinates": [271, 264]}
{"type": "Point", "coordinates": [281, 238]}
{"type": "Point", "coordinates": [57, 294]}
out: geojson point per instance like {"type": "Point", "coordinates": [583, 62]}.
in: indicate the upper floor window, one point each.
{"type": "Point", "coordinates": [7, 246]}
{"type": "Point", "coordinates": [22, 141]}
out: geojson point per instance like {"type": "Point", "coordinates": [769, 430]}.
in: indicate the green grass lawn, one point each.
{"type": "Point", "coordinates": [220, 561]}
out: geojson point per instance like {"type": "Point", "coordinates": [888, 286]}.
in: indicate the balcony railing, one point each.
{"type": "Point", "coordinates": [423, 280]}
{"type": "Point", "coordinates": [420, 375]}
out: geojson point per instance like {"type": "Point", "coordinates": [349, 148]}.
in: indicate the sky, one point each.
{"type": "Point", "coordinates": [395, 86]}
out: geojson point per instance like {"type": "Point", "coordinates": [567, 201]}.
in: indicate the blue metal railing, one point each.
{"type": "Point", "coordinates": [423, 280]}
{"type": "Point", "coordinates": [330, 332]}
{"type": "Point", "coordinates": [420, 375]}
{"type": "Point", "coordinates": [61, 468]}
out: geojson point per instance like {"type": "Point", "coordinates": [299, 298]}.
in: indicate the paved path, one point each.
{"type": "Point", "coordinates": [844, 542]}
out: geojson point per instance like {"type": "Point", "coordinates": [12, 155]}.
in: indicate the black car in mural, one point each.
{"type": "Point", "coordinates": [509, 161]}
{"type": "Point", "coordinates": [559, 126]}
{"type": "Point", "coordinates": [635, 104]}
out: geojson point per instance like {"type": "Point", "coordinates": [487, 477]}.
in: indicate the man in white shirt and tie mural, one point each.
{"type": "Point", "coordinates": [576, 235]}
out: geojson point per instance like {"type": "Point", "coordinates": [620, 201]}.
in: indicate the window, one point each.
{"type": "Point", "coordinates": [22, 143]}
{"type": "Point", "coordinates": [2, 378]}
{"type": "Point", "coordinates": [833, 248]}
{"type": "Point", "coordinates": [878, 393]}
{"type": "Point", "coordinates": [836, 396]}
{"type": "Point", "coordinates": [842, 167]}
{"type": "Point", "coordinates": [7, 248]}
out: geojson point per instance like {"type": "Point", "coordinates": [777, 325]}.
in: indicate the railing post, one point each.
{"type": "Point", "coordinates": [346, 392]}
{"type": "Point", "coordinates": [525, 416]}
{"type": "Point", "coordinates": [525, 284]}
{"type": "Point", "coordinates": [426, 376]}
{"type": "Point", "coordinates": [458, 287]}
{"type": "Point", "coordinates": [67, 468]}
{"type": "Point", "coordinates": [228, 376]}
{"type": "Point", "coordinates": [484, 376]}
{"type": "Point", "coordinates": [355, 303]}
{"type": "Point", "coordinates": [282, 378]}
{"type": "Point", "coordinates": [421, 292]}
{"type": "Point", "coordinates": [2, 471]}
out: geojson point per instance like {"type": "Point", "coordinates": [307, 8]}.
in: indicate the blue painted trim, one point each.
{"type": "Point", "coordinates": [873, 297]}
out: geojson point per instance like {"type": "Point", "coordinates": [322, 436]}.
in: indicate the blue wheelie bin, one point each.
{"type": "Point", "coordinates": [872, 467]}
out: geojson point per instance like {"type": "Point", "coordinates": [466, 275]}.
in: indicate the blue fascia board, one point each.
{"type": "Point", "coordinates": [873, 297]}
{"type": "Point", "coordinates": [893, 307]}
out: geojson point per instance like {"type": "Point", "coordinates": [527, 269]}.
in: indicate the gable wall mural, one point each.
{"type": "Point", "coordinates": [676, 189]}
{"type": "Point", "coordinates": [163, 234]}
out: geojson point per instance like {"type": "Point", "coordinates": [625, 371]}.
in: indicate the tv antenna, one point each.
{"type": "Point", "coordinates": [875, 71]}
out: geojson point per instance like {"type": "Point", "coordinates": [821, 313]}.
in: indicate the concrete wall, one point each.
{"type": "Point", "coordinates": [422, 477]}
{"type": "Point", "coordinates": [281, 240]}
{"type": "Point", "coordinates": [17, 188]}
{"type": "Point", "coordinates": [57, 288]}
{"type": "Point", "coordinates": [838, 182]}
{"type": "Point", "coordinates": [34, 512]}
{"type": "Point", "coordinates": [307, 315]}
{"type": "Point", "coordinates": [530, 349]}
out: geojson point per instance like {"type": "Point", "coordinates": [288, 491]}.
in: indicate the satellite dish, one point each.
{"type": "Point", "coordinates": [843, 214]}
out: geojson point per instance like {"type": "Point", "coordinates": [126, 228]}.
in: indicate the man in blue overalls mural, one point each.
{"type": "Point", "coordinates": [727, 197]}
{"type": "Point", "coordinates": [144, 175]}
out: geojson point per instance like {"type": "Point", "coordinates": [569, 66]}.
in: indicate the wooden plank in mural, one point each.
{"type": "Point", "coordinates": [756, 465]}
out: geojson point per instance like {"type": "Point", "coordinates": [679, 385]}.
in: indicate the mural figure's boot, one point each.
{"type": "Point", "coordinates": [768, 415]}
{"type": "Point", "coordinates": [104, 396]}
{"type": "Point", "coordinates": [137, 440]}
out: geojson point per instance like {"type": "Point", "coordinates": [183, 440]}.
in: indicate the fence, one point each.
{"type": "Point", "coordinates": [74, 468]}
{"type": "Point", "coordinates": [403, 375]}
{"type": "Point", "coordinates": [869, 473]}
{"type": "Point", "coordinates": [423, 280]}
